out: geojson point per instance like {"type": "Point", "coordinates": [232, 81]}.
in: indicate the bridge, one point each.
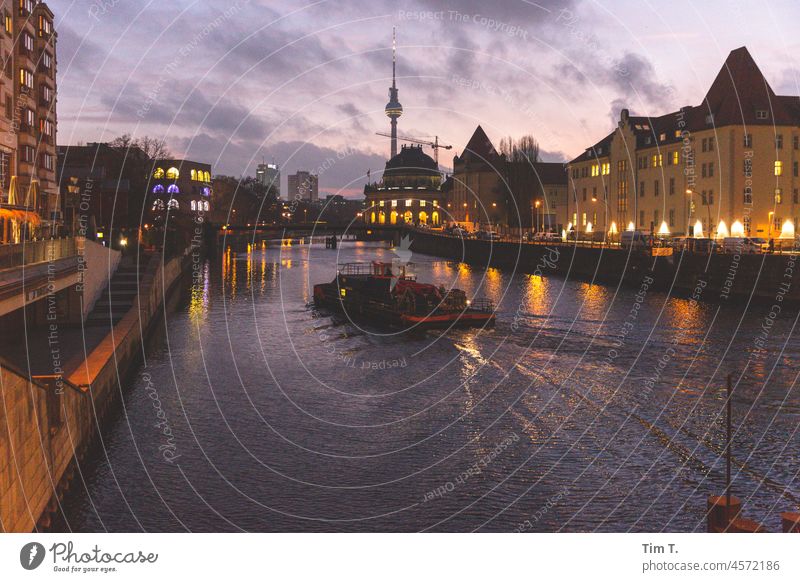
{"type": "Point", "coordinates": [348, 231]}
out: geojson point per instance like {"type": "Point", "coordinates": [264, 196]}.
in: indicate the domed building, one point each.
{"type": "Point", "coordinates": [409, 192]}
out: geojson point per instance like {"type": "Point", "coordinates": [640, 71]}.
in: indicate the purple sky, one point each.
{"type": "Point", "coordinates": [305, 84]}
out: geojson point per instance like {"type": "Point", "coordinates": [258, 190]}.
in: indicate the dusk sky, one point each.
{"type": "Point", "coordinates": [230, 83]}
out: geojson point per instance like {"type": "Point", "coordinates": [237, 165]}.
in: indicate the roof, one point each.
{"type": "Point", "coordinates": [479, 149]}
{"type": "Point", "coordinates": [551, 172]}
{"type": "Point", "coordinates": [411, 161]}
{"type": "Point", "coordinates": [735, 96]}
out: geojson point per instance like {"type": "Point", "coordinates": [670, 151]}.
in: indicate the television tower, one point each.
{"type": "Point", "coordinates": [393, 108]}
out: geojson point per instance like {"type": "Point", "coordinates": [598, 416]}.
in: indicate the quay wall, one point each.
{"type": "Point", "coordinates": [45, 428]}
{"type": "Point", "coordinates": [718, 277]}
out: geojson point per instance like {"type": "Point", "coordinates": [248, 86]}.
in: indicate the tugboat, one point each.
{"type": "Point", "coordinates": [372, 291]}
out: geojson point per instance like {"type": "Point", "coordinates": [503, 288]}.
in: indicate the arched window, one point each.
{"type": "Point", "coordinates": [159, 174]}
{"type": "Point", "coordinates": [158, 189]}
{"type": "Point", "coordinates": [173, 173]}
{"type": "Point", "coordinates": [206, 205]}
{"type": "Point", "coordinates": [207, 177]}
{"type": "Point", "coordinates": [194, 174]}
{"type": "Point", "coordinates": [435, 218]}
{"type": "Point", "coordinates": [382, 217]}
{"type": "Point", "coordinates": [173, 189]}
{"type": "Point", "coordinates": [206, 191]}
{"type": "Point", "coordinates": [393, 217]}
{"type": "Point", "coordinates": [173, 204]}
{"type": "Point", "coordinates": [158, 204]}
{"type": "Point", "coordinates": [423, 217]}
{"type": "Point", "coordinates": [194, 204]}
{"type": "Point", "coordinates": [372, 218]}
{"type": "Point", "coordinates": [408, 217]}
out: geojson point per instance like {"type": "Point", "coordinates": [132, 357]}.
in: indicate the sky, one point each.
{"type": "Point", "coordinates": [304, 84]}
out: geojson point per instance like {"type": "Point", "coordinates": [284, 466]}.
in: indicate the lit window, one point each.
{"type": "Point", "coordinates": [173, 174]}
{"type": "Point", "coordinates": [778, 196]}
{"type": "Point", "coordinates": [394, 203]}
{"type": "Point", "coordinates": [173, 204]}
{"type": "Point", "coordinates": [158, 189]}
{"type": "Point", "coordinates": [26, 79]}
{"type": "Point", "coordinates": [676, 157]}
{"type": "Point", "coordinates": [778, 168]}
{"type": "Point", "coordinates": [158, 204]}
{"type": "Point", "coordinates": [583, 219]}
{"type": "Point", "coordinates": [158, 174]}
{"type": "Point", "coordinates": [194, 205]}
{"type": "Point", "coordinates": [595, 170]}
{"type": "Point", "coordinates": [436, 203]}
{"type": "Point", "coordinates": [173, 189]}
{"type": "Point", "coordinates": [422, 202]}
{"type": "Point", "coordinates": [193, 174]}
{"type": "Point", "coordinates": [656, 160]}
{"type": "Point", "coordinates": [606, 169]}
{"type": "Point", "coordinates": [207, 176]}
{"type": "Point", "coordinates": [408, 203]}
{"type": "Point", "coordinates": [206, 205]}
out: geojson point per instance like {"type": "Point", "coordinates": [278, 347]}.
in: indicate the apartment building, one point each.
{"type": "Point", "coordinates": [727, 164]}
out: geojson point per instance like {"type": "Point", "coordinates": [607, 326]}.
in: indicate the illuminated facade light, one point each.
{"type": "Point", "coordinates": [722, 230]}
{"type": "Point", "coordinates": [631, 226]}
{"type": "Point", "coordinates": [588, 227]}
{"type": "Point", "coordinates": [613, 228]}
{"type": "Point", "coordinates": [663, 229]}
{"type": "Point", "coordinates": [787, 230]}
{"type": "Point", "coordinates": [698, 229]}
{"type": "Point", "coordinates": [737, 229]}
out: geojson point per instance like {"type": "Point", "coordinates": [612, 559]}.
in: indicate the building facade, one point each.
{"type": "Point", "coordinates": [303, 186]}
{"type": "Point", "coordinates": [28, 100]}
{"type": "Point", "coordinates": [726, 166]}
{"type": "Point", "coordinates": [270, 176]}
{"type": "Point", "coordinates": [181, 187]}
{"type": "Point", "coordinates": [409, 191]}
{"type": "Point", "coordinates": [479, 193]}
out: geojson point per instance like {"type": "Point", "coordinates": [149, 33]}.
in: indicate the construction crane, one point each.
{"type": "Point", "coordinates": [434, 144]}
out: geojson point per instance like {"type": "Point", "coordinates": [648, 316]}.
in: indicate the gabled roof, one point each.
{"type": "Point", "coordinates": [479, 149]}
{"type": "Point", "coordinates": [550, 173]}
{"type": "Point", "coordinates": [598, 150]}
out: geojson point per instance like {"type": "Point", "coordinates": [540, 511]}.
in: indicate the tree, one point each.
{"type": "Point", "coordinates": [524, 149]}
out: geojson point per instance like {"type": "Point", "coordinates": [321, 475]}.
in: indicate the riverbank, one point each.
{"type": "Point", "coordinates": [52, 421]}
{"type": "Point", "coordinates": [722, 277]}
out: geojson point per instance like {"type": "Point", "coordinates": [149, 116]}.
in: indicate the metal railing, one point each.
{"type": "Point", "coordinates": [40, 251]}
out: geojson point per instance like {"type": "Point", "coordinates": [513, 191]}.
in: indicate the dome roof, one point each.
{"type": "Point", "coordinates": [411, 161]}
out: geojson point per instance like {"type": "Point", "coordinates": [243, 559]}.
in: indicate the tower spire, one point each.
{"type": "Point", "coordinates": [393, 108]}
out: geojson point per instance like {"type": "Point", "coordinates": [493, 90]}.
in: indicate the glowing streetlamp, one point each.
{"type": "Point", "coordinates": [613, 228]}
{"type": "Point", "coordinates": [631, 226]}
{"type": "Point", "coordinates": [737, 229]}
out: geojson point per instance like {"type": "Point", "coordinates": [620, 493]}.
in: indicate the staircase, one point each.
{"type": "Point", "coordinates": [118, 297]}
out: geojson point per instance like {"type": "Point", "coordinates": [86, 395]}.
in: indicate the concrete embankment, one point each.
{"type": "Point", "coordinates": [46, 426]}
{"type": "Point", "coordinates": [716, 277]}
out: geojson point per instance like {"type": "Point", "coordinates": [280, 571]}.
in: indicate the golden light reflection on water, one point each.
{"type": "Point", "coordinates": [537, 296]}
{"type": "Point", "coordinates": [198, 302]}
{"type": "Point", "coordinates": [471, 361]}
{"type": "Point", "coordinates": [595, 299]}
{"type": "Point", "coordinates": [493, 284]}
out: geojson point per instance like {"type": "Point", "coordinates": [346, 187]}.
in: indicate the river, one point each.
{"type": "Point", "coordinates": [586, 408]}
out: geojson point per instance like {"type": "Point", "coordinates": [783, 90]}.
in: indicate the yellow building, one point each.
{"type": "Point", "coordinates": [731, 161]}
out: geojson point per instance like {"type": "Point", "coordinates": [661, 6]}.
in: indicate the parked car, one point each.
{"type": "Point", "coordinates": [740, 245]}
{"type": "Point", "coordinates": [488, 235]}
{"type": "Point", "coordinates": [458, 231]}
{"type": "Point", "coordinates": [634, 239]}
{"type": "Point", "coordinates": [762, 242]}
{"type": "Point", "coordinates": [545, 236]}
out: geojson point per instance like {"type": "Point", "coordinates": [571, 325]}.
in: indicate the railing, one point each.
{"type": "Point", "coordinates": [40, 251]}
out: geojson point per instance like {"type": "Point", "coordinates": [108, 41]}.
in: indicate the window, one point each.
{"type": "Point", "coordinates": [656, 190]}
{"type": "Point", "coordinates": [710, 169]}
{"type": "Point", "coordinates": [25, 7]}
{"type": "Point", "coordinates": [583, 219]}
{"type": "Point", "coordinates": [703, 198]}
{"type": "Point", "coordinates": [710, 197]}
{"type": "Point", "coordinates": [158, 189]}
{"type": "Point", "coordinates": [671, 186]}
{"type": "Point", "coordinates": [206, 205]}
{"type": "Point", "coordinates": [796, 142]}
{"type": "Point", "coordinates": [5, 166]}
{"type": "Point", "coordinates": [703, 171]}
{"type": "Point", "coordinates": [748, 196]}
{"type": "Point", "coordinates": [207, 176]}
{"type": "Point", "coordinates": [194, 205]}
{"type": "Point", "coordinates": [9, 107]}
{"type": "Point", "coordinates": [762, 114]}
{"type": "Point", "coordinates": [584, 194]}
{"type": "Point", "coordinates": [48, 163]}
{"type": "Point", "coordinates": [595, 170]}
{"type": "Point", "coordinates": [408, 203]}
{"type": "Point", "coordinates": [27, 43]}
{"type": "Point", "coordinates": [47, 94]}
{"type": "Point", "coordinates": [47, 60]}
{"type": "Point", "coordinates": [662, 137]}
{"type": "Point", "coordinates": [779, 168]}
{"type": "Point", "coordinates": [394, 203]}
{"type": "Point", "coordinates": [158, 174]}
{"type": "Point", "coordinates": [28, 119]}
{"type": "Point", "coordinates": [795, 169]}
{"type": "Point", "coordinates": [7, 22]}
{"type": "Point", "coordinates": [28, 154]}
{"type": "Point", "coordinates": [795, 196]}
{"type": "Point", "coordinates": [711, 144]}
{"type": "Point", "coordinates": [173, 189]}
{"type": "Point", "coordinates": [656, 216]}
{"type": "Point", "coordinates": [705, 145]}
{"type": "Point", "coordinates": [776, 222]}
{"type": "Point", "coordinates": [380, 203]}
{"type": "Point", "coordinates": [594, 194]}
{"type": "Point", "coordinates": [193, 175]}
{"type": "Point", "coordinates": [748, 140]}
{"type": "Point", "coordinates": [778, 196]}
{"type": "Point", "coordinates": [606, 169]}
{"type": "Point", "coordinates": [46, 127]}
{"type": "Point", "coordinates": [622, 185]}
{"type": "Point", "coordinates": [677, 133]}
{"type": "Point", "coordinates": [747, 224]}
{"type": "Point", "coordinates": [25, 79]}
{"type": "Point", "coordinates": [672, 217]}
{"type": "Point", "coordinates": [422, 203]}
{"type": "Point", "coordinates": [641, 218]}
{"type": "Point", "coordinates": [641, 189]}
{"type": "Point", "coordinates": [779, 142]}
{"type": "Point", "coordinates": [173, 204]}
{"type": "Point", "coordinates": [45, 26]}
{"type": "Point", "coordinates": [173, 174]}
